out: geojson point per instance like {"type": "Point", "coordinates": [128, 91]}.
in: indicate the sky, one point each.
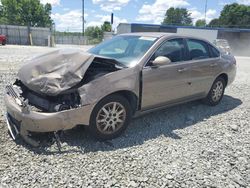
{"type": "Point", "coordinates": [67, 14]}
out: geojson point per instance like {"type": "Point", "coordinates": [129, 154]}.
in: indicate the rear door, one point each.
{"type": "Point", "coordinates": [203, 66]}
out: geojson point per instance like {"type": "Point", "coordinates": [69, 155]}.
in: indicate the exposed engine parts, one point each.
{"type": "Point", "coordinates": [49, 103]}
{"type": "Point", "coordinates": [69, 98]}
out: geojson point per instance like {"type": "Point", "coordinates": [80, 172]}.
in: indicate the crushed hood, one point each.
{"type": "Point", "coordinates": [55, 72]}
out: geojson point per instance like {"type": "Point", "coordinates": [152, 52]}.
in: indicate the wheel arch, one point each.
{"type": "Point", "coordinates": [131, 97]}
{"type": "Point", "coordinates": [224, 76]}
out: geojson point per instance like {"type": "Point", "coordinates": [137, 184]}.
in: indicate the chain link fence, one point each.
{"type": "Point", "coordinates": [23, 35]}
{"type": "Point", "coordinates": [75, 39]}
{"type": "Point", "coordinates": [79, 39]}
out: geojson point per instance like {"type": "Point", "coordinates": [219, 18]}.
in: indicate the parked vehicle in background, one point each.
{"type": "Point", "coordinates": [3, 39]}
{"type": "Point", "coordinates": [127, 76]}
{"type": "Point", "coordinates": [223, 45]}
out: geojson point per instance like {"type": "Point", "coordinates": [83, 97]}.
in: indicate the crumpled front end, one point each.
{"type": "Point", "coordinates": [55, 72]}
{"type": "Point", "coordinates": [47, 97]}
{"type": "Point", "coordinates": [22, 119]}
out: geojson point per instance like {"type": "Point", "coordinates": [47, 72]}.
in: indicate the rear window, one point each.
{"type": "Point", "coordinates": [214, 52]}
{"type": "Point", "coordinates": [197, 49]}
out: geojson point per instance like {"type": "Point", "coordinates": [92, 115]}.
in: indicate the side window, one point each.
{"type": "Point", "coordinates": [197, 49]}
{"type": "Point", "coordinates": [214, 52]}
{"type": "Point", "coordinates": [173, 49]}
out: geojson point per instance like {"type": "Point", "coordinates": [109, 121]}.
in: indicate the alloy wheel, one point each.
{"type": "Point", "coordinates": [111, 117]}
{"type": "Point", "coordinates": [217, 91]}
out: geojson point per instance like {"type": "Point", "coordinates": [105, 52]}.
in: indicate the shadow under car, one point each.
{"type": "Point", "coordinates": [141, 129]}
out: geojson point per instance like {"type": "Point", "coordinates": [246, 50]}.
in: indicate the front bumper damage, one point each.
{"type": "Point", "coordinates": [21, 120]}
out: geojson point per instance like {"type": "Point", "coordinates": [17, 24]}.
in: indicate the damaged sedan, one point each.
{"type": "Point", "coordinates": [104, 88]}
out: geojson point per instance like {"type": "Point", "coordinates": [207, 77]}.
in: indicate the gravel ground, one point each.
{"type": "Point", "coordinates": [190, 145]}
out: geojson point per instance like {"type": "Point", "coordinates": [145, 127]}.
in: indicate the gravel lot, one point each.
{"type": "Point", "coordinates": [190, 145]}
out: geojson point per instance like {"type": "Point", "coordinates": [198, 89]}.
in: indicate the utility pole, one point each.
{"type": "Point", "coordinates": [206, 13]}
{"type": "Point", "coordinates": [83, 17]}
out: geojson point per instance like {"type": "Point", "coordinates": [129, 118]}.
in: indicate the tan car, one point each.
{"type": "Point", "coordinates": [104, 88]}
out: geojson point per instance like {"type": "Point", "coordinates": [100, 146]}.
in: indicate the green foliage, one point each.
{"type": "Point", "coordinates": [200, 23]}
{"type": "Point", "coordinates": [25, 12]}
{"type": "Point", "coordinates": [177, 16]}
{"type": "Point", "coordinates": [3, 20]}
{"type": "Point", "coordinates": [235, 15]}
{"type": "Point", "coordinates": [214, 23]}
{"type": "Point", "coordinates": [106, 27]}
{"type": "Point", "coordinates": [94, 33]}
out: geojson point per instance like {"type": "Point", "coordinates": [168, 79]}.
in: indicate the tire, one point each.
{"type": "Point", "coordinates": [216, 92]}
{"type": "Point", "coordinates": [3, 43]}
{"type": "Point", "coordinates": [107, 123]}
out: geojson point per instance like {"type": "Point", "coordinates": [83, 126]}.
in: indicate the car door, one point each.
{"type": "Point", "coordinates": [203, 66]}
{"type": "Point", "coordinates": [167, 83]}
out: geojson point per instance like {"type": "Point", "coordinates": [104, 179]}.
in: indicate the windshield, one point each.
{"type": "Point", "coordinates": [124, 49]}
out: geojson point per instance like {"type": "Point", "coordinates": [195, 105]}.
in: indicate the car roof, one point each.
{"type": "Point", "coordinates": [150, 34]}
{"type": "Point", "coordinates": [162, 34]}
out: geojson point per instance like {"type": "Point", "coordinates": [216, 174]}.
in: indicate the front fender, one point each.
{"type": "Point", "coordinates": [125, 79]}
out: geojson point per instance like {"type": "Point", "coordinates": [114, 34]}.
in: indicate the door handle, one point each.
{"type": "Point", "coordinates": [181, 70]}
{"type": "Point", "coordinates": [213, 64]}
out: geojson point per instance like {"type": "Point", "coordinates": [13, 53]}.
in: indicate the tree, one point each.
{"type": "Point", "coordinates": [3, 20]}
{"type": "Point", "coordinates": [95, 33]}
{"type": "Point", "coordinates": [200, 23]}
{"type": "Point", "coordinates": [177, 16]}
{"type": "Point", "coordinates": [106, 27]}
{"type": "Point", "coordinates": [235, 15]}
{"type": "Point", "coordinates": [214, 23]}
{"type": "Point", "coordinates": [25, 12]}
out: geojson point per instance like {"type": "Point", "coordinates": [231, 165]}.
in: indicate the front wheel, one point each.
{"type": "Point", "coordinates": [216, 92]}
{"type": "Point", "coordinates": [110, 117]}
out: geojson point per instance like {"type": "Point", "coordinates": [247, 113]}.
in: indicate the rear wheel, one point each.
{"type": "Point", "coordinates": [110, 117]}
{"type": "Point", "coordinates": [3, 43]}
{"type": "Point", "coordinates": [216, 92]}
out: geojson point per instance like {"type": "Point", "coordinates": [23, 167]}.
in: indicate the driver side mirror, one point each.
{"type": "Point", "coordinates": [160, 61]}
